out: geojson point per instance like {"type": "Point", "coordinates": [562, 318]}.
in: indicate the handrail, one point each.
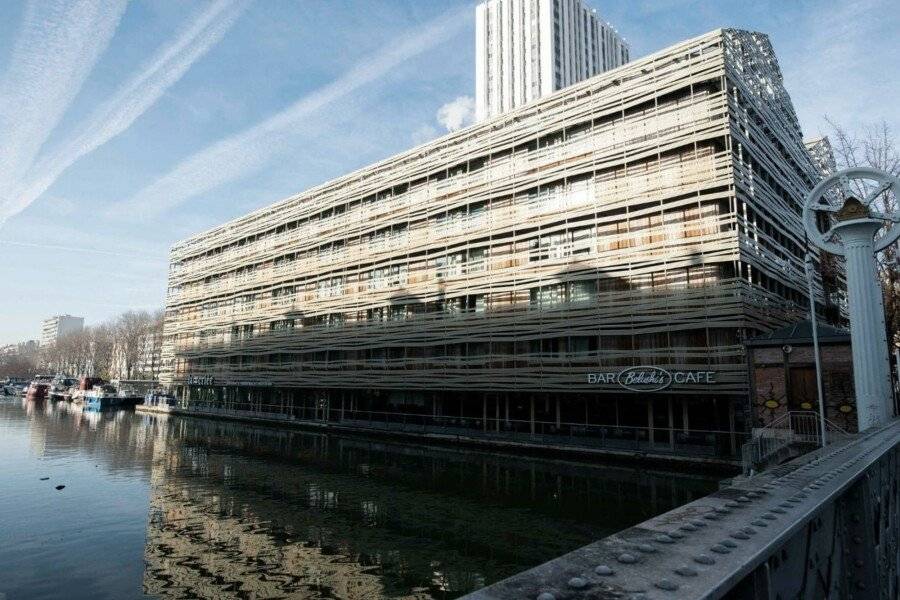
{"type": "Point", "coordinates": [790, 429]}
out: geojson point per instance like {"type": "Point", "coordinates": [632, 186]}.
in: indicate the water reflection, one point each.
{"type": "Point", "coordinates": [242, 511]}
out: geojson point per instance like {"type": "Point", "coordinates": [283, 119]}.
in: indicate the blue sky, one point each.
{"type": "Point", "coordinates": [128, 125]}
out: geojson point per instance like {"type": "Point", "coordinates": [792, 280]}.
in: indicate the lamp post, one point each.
{"type": "Point", "coordinates": [810, 278]}
{"type": "Point", "coordinates": [853, 228]}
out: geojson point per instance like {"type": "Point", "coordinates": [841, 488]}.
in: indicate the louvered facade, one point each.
{"type": "Point", "coordinates": [505, 275]}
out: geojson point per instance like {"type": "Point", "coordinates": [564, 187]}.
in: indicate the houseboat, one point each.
{"type": "Point", "coordinates": [108, 395]}
{"type": "Point", "coordinates": [85, 384]}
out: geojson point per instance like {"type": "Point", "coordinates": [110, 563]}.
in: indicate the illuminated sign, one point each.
{"type": "Point", "coordinates": [651, 379]}
{"type": "Point", "coordinates": [199, 380]}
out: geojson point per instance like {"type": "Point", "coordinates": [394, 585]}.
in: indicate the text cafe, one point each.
{"type": "Point", "coordinates": [651, 379]}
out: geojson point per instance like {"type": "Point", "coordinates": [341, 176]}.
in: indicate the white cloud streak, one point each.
{"type": "Point", "coordinates": [150, 257]}
{"type": "Point", "coordinates": [56, 48]}
{"type": "Point", "coordinates": [131, 100]}
{"type": "Point", "coordinates": [247, 151]}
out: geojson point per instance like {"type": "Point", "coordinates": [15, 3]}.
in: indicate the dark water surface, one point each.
{"type": "Point", "coordinates": [188, 508]}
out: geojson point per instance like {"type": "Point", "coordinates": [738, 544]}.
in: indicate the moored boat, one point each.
{"type": "Point", "coordinates": [37, 390]}
{"type": "Point", "coordinates": [85, 384]}
{"type": "Point", "coordinates": [157, 401]}
{"type": "Point", "coordinates": [61, 388]}
{"type": "Point", "coordinates": [109, 396]}
{"type": "Point", "coordinates": [13, 386]}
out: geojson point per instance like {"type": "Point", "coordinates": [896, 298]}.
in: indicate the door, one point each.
{"type": "Point", "coordinates": [802, 397]}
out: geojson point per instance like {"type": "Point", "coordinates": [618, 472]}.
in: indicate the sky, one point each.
{"type": "Point", "coordinates": [127, 125]}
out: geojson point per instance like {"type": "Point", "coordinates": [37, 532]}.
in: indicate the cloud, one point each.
{"type": "Point", "coordinates": [236, 156]}
{"type": "Point", "coordinates": [56, 48]}
{"type": "Point", "coordinates": [131, 100]}
{"type": "Point", "coordinates": [457, 114]}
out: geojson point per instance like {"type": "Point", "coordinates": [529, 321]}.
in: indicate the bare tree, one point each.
{"type": "Point", "coordinates": [131, 331]}
{"type": "Point", "coordinates": [22, 362]}
{"type": "Point", "coordinates": [153, 346]}
{"type": "Point", "coordinates": [102, 347]}
{"type": "Point", "coordinates": [874, 146]}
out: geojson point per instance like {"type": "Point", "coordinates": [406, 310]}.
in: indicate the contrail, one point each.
{"type": "Point", "coordinates": [89, 250]}
{"type": "Point", "coordinates": [134, 98]}
{"type": "Point", "coordinates": [238, 155]}
{"type": "Point", "coordinates": [56, 48]}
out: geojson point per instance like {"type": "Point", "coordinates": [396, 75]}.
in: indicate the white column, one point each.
{"type": "Point", "coordinates": [871, 367]}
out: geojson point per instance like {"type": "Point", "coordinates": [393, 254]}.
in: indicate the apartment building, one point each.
{"type": "Point", "coordinates": [58, 326]}
{"type": "Point", "coordinates": [528, 49]}
{"type": "Point", "coordinates": [583, 269]}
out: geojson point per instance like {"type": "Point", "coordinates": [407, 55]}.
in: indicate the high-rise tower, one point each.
{"type": "Point", "coordinates": [526, 49]}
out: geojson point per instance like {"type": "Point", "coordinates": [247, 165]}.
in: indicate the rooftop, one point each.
{"type": "Point", "coordinates": [801, 333]}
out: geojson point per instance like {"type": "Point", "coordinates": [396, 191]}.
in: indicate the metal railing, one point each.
{"type": "Point", "coordinates": [793, 431]}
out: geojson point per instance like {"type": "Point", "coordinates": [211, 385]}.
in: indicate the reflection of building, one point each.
{"type": "Point", "coordinates": [246, 511]}
{"type": "Point", "coordinates": [502, 278]}
{"type": "Point", "coordinates": [58, 326]}
{"type": "Point", "coordinates": [783, 374]}
{"type": "Point", "coordinates": [528, 49]}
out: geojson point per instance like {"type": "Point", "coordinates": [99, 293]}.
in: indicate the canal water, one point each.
{"type": "Point", "coordinates": [175, 507]}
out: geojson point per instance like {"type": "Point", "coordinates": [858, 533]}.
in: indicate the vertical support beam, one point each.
{"type": "Point", "coordinates": [671, 424]}
{"type": "Point", "coordinates": [684, 415]}
{"type": "Point", "coordinates": [732, 435]}
{"type": "Point", "coordinates": [558, 420]}
{"type": "Point", "coordinates": [497, 413]}
{"type": "Point", "coordinates": [506, 402]}
{"type": "Point", "coordinates": [484, 412]}
{"type": "Point", "coordinates": [650, 434]}
{"type": "Point", "coordinates": [531, 401]}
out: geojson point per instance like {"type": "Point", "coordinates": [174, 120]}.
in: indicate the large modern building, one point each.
{"type": "Point", "coordinates": [584, 268]}
{"type": "Point", "coordinates": [58, 326]}
{"type": "Point", "coordinates": [528, 49]}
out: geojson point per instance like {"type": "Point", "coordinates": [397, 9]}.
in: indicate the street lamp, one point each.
{"type": "Point", "coordinates": [839, 222]}
{"type": "Point", "coordinates": [810, 279]}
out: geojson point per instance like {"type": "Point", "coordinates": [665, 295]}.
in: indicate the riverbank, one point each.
{"type": "Point", "coordinates": [722, 466]}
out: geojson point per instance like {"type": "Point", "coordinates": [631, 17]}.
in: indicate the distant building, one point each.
{"type": "Point", "coordinates": [58, 326]}
{"type": "Point", "coordinates": [20, 348]}
{"type": "Point", "coordinates": [822, 153]}
{"type": "Point", "coordinates": [146, 361]}
{"type": "Point", "coordinates": [528, 49]}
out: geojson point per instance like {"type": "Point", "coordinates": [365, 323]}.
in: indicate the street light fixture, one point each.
{"type": "Point", "coordinates": [841, 217]}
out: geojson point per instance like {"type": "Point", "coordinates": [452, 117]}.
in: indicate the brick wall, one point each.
{"type": "Point", "coordinates": [772, 368]}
